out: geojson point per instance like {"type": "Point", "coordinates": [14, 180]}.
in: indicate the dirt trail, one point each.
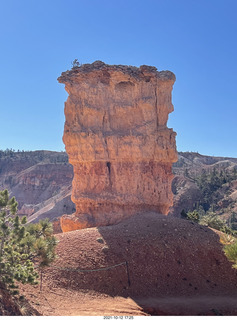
{"type": "Point", "coordinates": [62, 302]}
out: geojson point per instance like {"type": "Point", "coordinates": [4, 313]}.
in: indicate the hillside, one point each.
{"type": "Point", "coordinates": [41, 182]}
{"type": "Point", "coordinates": [194, 174]}
{"type": "Point", "coordinates": [147, 264]}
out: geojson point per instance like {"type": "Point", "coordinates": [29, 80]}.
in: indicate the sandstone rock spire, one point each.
{"type": "Point", "coordinates": [117, 140]}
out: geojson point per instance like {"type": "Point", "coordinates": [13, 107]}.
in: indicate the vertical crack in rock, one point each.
{"type": "Point", "coordinates": [156, 105]}
{"type": "Point", "coordinates": [120, 147]}
{"type": "Point", "coordinates": [105, 138]}
{"type": "Point", "coordinates": [106, 147]}
{"type": "Point", "coordinates": [109, 170]}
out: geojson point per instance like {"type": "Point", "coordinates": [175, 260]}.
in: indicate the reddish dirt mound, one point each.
{"type": "Point", "coordinates": [174, 267]}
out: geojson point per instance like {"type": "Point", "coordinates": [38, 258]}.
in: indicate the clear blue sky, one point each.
{"type": "Point", "coordinates": [195, 39]}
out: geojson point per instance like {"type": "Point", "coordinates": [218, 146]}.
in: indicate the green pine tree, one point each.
{"type": "Point", "coordinates": [22, 247]}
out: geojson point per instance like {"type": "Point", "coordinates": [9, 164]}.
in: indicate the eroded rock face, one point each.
{"type": "Point", "coordinates": [117, 140]}
{"type": "Point", "coordinates": [41, 182]}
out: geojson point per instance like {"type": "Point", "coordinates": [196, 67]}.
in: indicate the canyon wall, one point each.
{"type": "Point", "coordinates": [41, 181]}
{"type": "Point", "coordinates": [117, 140]}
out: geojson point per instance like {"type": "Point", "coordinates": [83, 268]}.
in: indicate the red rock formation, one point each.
{"type": "Point", "coordinates": [118, 143]}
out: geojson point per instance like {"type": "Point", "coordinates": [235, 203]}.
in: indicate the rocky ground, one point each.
{"type": "Point", "coordinates": [14, 306]}
{"type": "Point", "coordinates": [175, 267]}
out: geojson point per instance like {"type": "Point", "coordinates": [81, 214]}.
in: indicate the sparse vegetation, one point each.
{"type": "Point", "coordinates": [231, 253]}
{"type": "Point", "coordinates": [212, 220]}
{"type": "Point", "coordinates": [209, 183]}
{"type": "Point", "coordinates": [206, 210]}
{"type": "Point", "coordinates": [208, 219]}
{"type": "Point", "coordinates": [75, 63]}
{"type": "Point", "coordinates": [34, 156]}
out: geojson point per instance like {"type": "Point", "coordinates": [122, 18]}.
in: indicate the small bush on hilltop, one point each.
{"type": "Point", "coordinates": [75, 63]}
{"type": "Point", "coordinates": [231, 253]}
{"type": "Point", "coordinates": [22, 247]}
{"type": "Point", "coordinates": [193, 216]}
{"type": "Point", "coordinates": [213, 221]}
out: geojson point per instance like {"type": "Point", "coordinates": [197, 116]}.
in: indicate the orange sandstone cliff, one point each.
{"type": "Point", "coordinates": [117, 140]}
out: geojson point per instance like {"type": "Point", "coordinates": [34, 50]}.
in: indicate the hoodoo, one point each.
{"type": "Point", "coordinates": [117, 140]}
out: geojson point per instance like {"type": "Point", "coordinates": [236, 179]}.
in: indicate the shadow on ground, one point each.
{"type": "Point", "coordinates": [165, 264]}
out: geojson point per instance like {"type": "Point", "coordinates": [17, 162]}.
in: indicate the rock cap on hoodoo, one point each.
{"type": "Point", "coordinates": [135, 72]}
